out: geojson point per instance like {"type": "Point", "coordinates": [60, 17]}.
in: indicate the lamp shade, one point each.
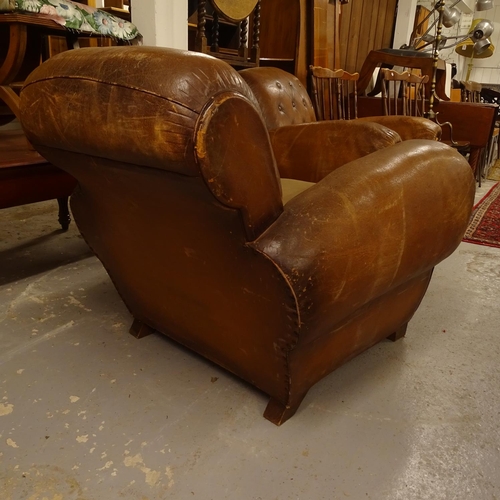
{"type": "Point", "coordinates": [484, 4]}
{"type": "Point", "coordinates": [479, 50]}
{"type": "Point", "coordinates": [481, 29]}
{"type": "Point", "coordinates": [450, 16]}
{"type": "Point", "coordinates": [483, 47]}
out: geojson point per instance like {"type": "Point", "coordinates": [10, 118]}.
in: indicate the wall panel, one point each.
{"type": "Point", "coordinates": [365, 25]}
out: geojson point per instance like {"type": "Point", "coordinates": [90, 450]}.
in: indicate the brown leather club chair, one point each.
{"type": "Point", "coordinates": [284, 101]}
{"type": "Point", "coordinates": [180, 197]}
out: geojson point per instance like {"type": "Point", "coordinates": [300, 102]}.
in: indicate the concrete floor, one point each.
{"type": "Point", "coordinates": [89, 413]}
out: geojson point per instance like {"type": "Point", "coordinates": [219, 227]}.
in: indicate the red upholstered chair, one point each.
{"type": "Point", "coordinates": [266, 255]}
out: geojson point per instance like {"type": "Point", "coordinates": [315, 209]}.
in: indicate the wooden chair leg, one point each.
{"type": "Point", "coordinates": [398, 334]}
{"type": "Point", "coordinates": [64, 216]}
{"type": "Point", "coordinates": [140, 330]}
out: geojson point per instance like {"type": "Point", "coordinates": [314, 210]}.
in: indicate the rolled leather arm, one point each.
{"type": "Point", "coordinates": [370, 227]}
{"type": "Point", "coordinates": [408, 127]}
{"type": "Point", "coordinates": [310, 151]}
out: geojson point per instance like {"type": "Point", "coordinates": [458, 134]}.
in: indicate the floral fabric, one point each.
{"type": "Point", "coordinates": [76, 16]}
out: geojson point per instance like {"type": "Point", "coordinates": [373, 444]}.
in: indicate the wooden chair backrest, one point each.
{"type": "Point", "coordinates": [403, 93]}
{"type": "Point", "coordinates": [335, 93]}
{"type": "Point", "coordinates": [471, 91]}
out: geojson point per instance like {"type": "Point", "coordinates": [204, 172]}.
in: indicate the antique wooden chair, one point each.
{"type": "Point", "coordinates": [335, 97]}
{"type": "Point", "coordinates": [334, 93]}
{"type": "Point", "coordinates": [471, 91]}
{"type": "Point", "coordinates": [403, 93]}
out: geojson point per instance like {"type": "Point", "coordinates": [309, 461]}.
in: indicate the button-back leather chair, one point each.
{"type": "Point", "coordinates": [179, 195]}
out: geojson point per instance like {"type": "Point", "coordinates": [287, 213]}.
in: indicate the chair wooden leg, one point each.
{"type": "Point", "coordinates": [64, 216]}
{"type": "Point", "coordinates": [278, 413]}
{"type": "Point", "coordinates": [398, 334]}
{"type": "Point", "coordinates": [140, 330]}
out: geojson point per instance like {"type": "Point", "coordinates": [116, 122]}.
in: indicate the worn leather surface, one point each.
{"type": "Point", "coordinates": [148, 117]}
{"type": "Point", "coordinates": [179, 196]}
{"type": "Point", "coordinates": [311, 151]}
{"type": "Point", "coordinates": [370, 252]}
{"type": "Point", "coordinates": [254, 186]}
{"type": "Point", "coordinates": [408, 127]}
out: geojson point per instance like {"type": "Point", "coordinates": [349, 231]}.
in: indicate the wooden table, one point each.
{"type": "Point", "coordinates": [388, 58]}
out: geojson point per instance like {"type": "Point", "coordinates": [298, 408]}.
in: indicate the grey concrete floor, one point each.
{"type": "Point", "coordinates": [89, 413]}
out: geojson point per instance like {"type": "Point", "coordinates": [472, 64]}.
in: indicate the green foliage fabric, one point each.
{"type": "Point", "coordinates": [76, 16]}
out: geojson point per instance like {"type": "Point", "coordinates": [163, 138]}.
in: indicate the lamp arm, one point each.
{"type": "Point", "coordinates": [462, 39]}
{"type": "Point", "coordinates": [413, 39]}
{"type": "Point", "coordinates": [420, 49]}
{"type": "Point", "coordinates": [417, 40]}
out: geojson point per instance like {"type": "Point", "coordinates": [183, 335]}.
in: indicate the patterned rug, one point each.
{"type": "Point", "coordinates": [484, 228]}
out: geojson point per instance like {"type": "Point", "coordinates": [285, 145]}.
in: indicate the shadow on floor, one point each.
{"type": "Point", "coordinates": [41, 254]}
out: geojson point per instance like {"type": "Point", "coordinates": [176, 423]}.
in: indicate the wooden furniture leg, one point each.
{"type": "Point", "coordinates": [475, 158]}
{"type": "Point", "coordinates": [140, 330]}
{"type": "Point", "coordinates": [398, 334]}
{"type": "Point", "coordinates": [278, 413]}
{"type": "Point", "coordinates": [64, 216]}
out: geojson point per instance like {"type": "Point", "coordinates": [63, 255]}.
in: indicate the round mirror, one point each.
{"type": "Point", "coordinates": [235, 10]}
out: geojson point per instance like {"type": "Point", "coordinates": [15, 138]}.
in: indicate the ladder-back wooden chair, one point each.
{"type": "Point", "coordinates": [403, 93]}
{"type": "Point", "coordinates": [471, 91]}
{"type": "Point", "coordinates": [335, 93]}
{"type": "Point", "coordinates": [335, 97]}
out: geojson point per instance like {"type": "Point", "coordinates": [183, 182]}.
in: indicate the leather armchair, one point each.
{"type": "Point", "coordinates": [180, 196]}
{"type": "Point", "coordinates": [284, 101]}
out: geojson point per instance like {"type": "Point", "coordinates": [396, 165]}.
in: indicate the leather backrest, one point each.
{"type": "Point", "coordinates": [136, 104]}
{"type": "Point", "coordinates": [143, 105]}
{"type": "Point", "coordinates": [283, 100]}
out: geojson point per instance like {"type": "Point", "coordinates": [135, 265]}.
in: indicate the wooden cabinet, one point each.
{"type": "Point", "coordinates": [365, 25]}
